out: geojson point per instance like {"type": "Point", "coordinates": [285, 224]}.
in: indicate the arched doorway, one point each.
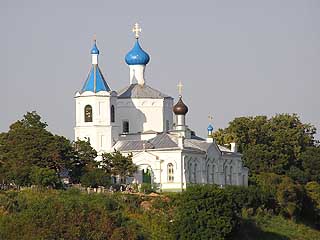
{"type": "Point", "coordinates": [146, 175]}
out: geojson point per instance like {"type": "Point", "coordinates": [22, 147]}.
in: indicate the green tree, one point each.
{"type": "Point", "coordinates": [83, 159]}
{"type": "Point", "coordinates": [44, 177]}
{"type": "Point", "coordinates": [269, 145]}
{"type": "Point", "coordinates": [118, 165]}
{"type": "Point", "coordinates": [28, 144]}
{"type": "Point", "coordinates": [310, 160]}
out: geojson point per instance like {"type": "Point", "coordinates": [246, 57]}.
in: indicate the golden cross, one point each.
{"type": "Point", "coordinates": [180, 86]}
{"type": "Point", "coordinates": [136, 29]}
{"type": "Point", "coordinates": [94, 37]}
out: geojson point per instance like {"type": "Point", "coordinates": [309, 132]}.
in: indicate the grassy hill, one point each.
{"type": "Point", "coordinates": [275, 228]}
{"type": "Point", "coordinates": [71, 214]}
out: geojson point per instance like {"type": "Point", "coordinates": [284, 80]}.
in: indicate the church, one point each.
{"type": "Point", "coordinates": [150, 125]}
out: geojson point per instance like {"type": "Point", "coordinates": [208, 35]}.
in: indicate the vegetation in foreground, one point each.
{"type": "Point", "coordinates": [202, 212]}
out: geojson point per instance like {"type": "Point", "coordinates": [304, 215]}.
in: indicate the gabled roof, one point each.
{"type": "Point", "coordinates": [163, 140]}
{"type": "Point", "coordinates": [132, 145]}
{"type": "Point", "coordinates": [95, 81]}
{"type": "Point", "coordinates": [141, 91]}
{"type": "Point", "coordinates": [197, 144]}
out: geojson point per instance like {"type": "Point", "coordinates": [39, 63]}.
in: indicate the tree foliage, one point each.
{"type": "Point", "coordinates": [310, 160]}
{"type": "Point", "coordinates": [312, 204]}
{"type": "Point", "coordinates": [83, 160]}
{"type": "Point", "coordinates": [44, 177]}
{"type": "Point", "coordinates": [272, 145]}
{"type": "Point", "coordinates": [29, 144]}
{"type": "Point", "coordinates": [118, 165]}
{"type": "Point", "coordinates": [64, 215]}
{"type": "Point", "coordinates": [95, 177]}
{"type": "Point", "coordinates": [286, 195]}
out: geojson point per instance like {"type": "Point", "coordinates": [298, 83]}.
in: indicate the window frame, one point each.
{"type": "Point", "coordinates": [112, 114]}
{"type": "Point", "coordinates": [127, 127]}
{"type": "Point", "coordinates": [170, 172]}
{"type": "Point", "coordinates": [88, 108]}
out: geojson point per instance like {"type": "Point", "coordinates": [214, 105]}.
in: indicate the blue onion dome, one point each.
{"type": "Point", "coordinates": [94, 49]}
{"type": "Point", "coordinates": [210, 128]}
{"type": "Point", "coordinates": [137, 56]}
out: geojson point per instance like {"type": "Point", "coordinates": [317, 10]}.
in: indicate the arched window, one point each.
{"type": "Point", "coordinates": [190, 172]}
{"type": "Point", "coordinates": [112, 114]}
{"type": "Point", "coordinates": [170, 172]}
{"type": "Point", "coordinates": [225, 175]}
{"type": "Point", "coordinates": [88, 113]}
{"type": "Point", "coordinates": [167, 125]}
{"type": "Point", "coordinates": [208, 173]}
{"type": "Point", "coordinates": [146, 176]}
{"type": "Point", "coordinates": [125, 126]}
{"type": "Point", "coordinates": [230, 176]}
{"type": "Point", "coordinates": [212, 174]}
{"type": "Point", "coordinates": [195, 173]}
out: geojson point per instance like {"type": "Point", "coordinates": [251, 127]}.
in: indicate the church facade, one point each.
{"type": "Point", "coordinates": [145, 122]}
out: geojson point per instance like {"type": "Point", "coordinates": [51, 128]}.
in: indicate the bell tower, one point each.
{"type": "Point", "coordinates": [96, 109]}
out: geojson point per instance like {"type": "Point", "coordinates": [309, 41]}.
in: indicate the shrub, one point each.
{"type": "Point", "coordinates": [289, 196]}
{"type": "Point", "coordinates": [44, 177]}
{"type": "Point", "coordinates": [95, 177]}
{"type": "Point", "coordinates": [205, 212]}
{"type": "Point", "coordinates": [312, 202]}
{"type": "Point", "coordinates": [250, 197]}
{"type": "Point", "coordinates": [146, 188]}
{"type": "Point", "coordinates": [283, 195]}
{"type": "Point", "coordinates": [66, 215]}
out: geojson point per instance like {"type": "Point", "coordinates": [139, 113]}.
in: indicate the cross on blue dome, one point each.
{"type": "Point", "coordinates": [137, 56]}
{"type": "Point", "coordinates": [94, 49]}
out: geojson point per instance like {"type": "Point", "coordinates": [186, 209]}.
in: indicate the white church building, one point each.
{"type": "Point", "coordinates": [145, 122]}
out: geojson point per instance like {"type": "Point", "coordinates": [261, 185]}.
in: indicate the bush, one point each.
{"type": "Point", "coordinates": [312, 202]}
{"type": "Point", "coordinates": [205, 212]}
{"type": "Point", "coordinates": [65, 215]}
{"type": "Point", "coordinates": [146, 188]}
{"type": "Point", "coordinates": [250, 197]}
{"type": "Point", "coordinates": [289, 196]}
{"type": "Point", "coordinates": [283, 195]}
{"type": "Point", "coordinates": [95, 177]}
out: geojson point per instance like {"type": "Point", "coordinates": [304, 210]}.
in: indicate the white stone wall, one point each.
{"type": "Point", "coordinates": [157, 162]}
{"type": "Point", "coordinates": [101, 131]}
{"type": "Point", "coordinates": [190, 167]}
{"type": "Point", "coordinates": [145, 114]}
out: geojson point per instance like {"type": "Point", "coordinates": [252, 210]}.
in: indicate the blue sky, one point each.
{"type": "Point", "coordinates": [235, 58]}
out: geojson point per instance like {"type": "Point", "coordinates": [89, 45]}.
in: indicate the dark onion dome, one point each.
{"type": "Point", "coordinates": [180, 108]}
{"type": "Point", "coordinates": [137, 56]}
